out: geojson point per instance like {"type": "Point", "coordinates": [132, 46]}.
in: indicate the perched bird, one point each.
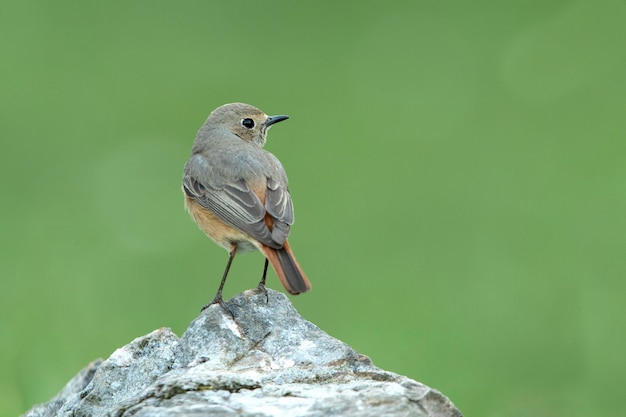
{"type": "Point", "coordinates": [237, 192]}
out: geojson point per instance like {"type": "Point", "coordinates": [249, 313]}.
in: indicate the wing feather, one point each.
{"type": "Point", "coordinates": [238, 206]}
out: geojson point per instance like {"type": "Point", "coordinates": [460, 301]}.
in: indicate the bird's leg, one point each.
{"type": "Point", "coordinates": [261, 285]}
{"type": "Point", "coordinates": [218, 297]}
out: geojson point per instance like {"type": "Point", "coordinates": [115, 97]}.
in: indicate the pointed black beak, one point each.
{"type": "Point", "coordinates": [275, 119]}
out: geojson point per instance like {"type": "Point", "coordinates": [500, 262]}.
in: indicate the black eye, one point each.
{"type": "Point", "coordinates": [249, 123]}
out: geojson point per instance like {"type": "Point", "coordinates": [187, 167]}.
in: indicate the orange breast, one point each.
{"type": "Point", "coordinates": [221, 233]}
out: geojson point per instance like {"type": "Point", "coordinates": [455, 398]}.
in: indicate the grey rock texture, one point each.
{"type": "Point", "coordinates": [269, 361]}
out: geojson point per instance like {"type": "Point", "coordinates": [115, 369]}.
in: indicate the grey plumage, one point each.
{"type": "Point", "coordinates": [220, 174]}
{"type": "Point", "coordinates": [237, 192]}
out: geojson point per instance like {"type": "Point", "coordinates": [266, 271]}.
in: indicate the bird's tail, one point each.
{"type": "Point", "coordinates": [287, 268]}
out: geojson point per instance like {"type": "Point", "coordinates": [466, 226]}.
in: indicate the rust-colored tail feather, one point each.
{"type": "Point", "coordinates": [287, 268]}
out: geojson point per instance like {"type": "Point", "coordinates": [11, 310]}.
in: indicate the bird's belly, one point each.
{"type": "Point", "coordinates": [221, 233]}
{"type": "Point", "coordinates": [244, 246]}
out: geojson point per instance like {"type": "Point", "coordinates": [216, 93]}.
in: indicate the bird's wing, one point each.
{"type": "Point", "coordinates": [235, 204]}
{"type": "Point", "coordinates": [280, 207]}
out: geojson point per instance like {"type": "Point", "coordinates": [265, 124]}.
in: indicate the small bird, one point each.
{"type": "Point", "coordinates": [237, 193]}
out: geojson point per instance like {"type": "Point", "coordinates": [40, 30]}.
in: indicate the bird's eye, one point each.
{"type": "Point", "coordinates": [248, 123]}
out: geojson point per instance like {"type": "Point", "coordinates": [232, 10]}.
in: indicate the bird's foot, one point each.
{"type": "Point", "coordinates": [219, 300]}
{"type": "Point", "coordinates": [261, 287]}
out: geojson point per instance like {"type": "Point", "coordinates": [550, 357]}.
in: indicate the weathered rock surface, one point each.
{"type": "Point", "coordinates": [269, 361]}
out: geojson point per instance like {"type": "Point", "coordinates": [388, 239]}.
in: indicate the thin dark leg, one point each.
{"type": "Point", "coordinates": [262, 283]}
{"type": "Point", "coordinates": [218, 297]}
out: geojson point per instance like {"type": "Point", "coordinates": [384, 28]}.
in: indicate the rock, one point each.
{"type": "Point", "coordinates": [269, 361]}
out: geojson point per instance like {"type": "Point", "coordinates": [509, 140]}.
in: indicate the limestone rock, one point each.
{"type": "Point", "coordinates": [269, 361]}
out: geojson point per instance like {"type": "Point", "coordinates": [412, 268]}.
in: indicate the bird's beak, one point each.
{"type": "Point", "coordinates": [275, 119]}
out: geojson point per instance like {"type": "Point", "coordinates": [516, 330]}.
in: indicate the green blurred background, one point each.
{"type": "Point", "coordinates": [458, 172]}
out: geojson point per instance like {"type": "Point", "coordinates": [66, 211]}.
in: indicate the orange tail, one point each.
{"type": "Point", "coordinates": [287, 268]}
